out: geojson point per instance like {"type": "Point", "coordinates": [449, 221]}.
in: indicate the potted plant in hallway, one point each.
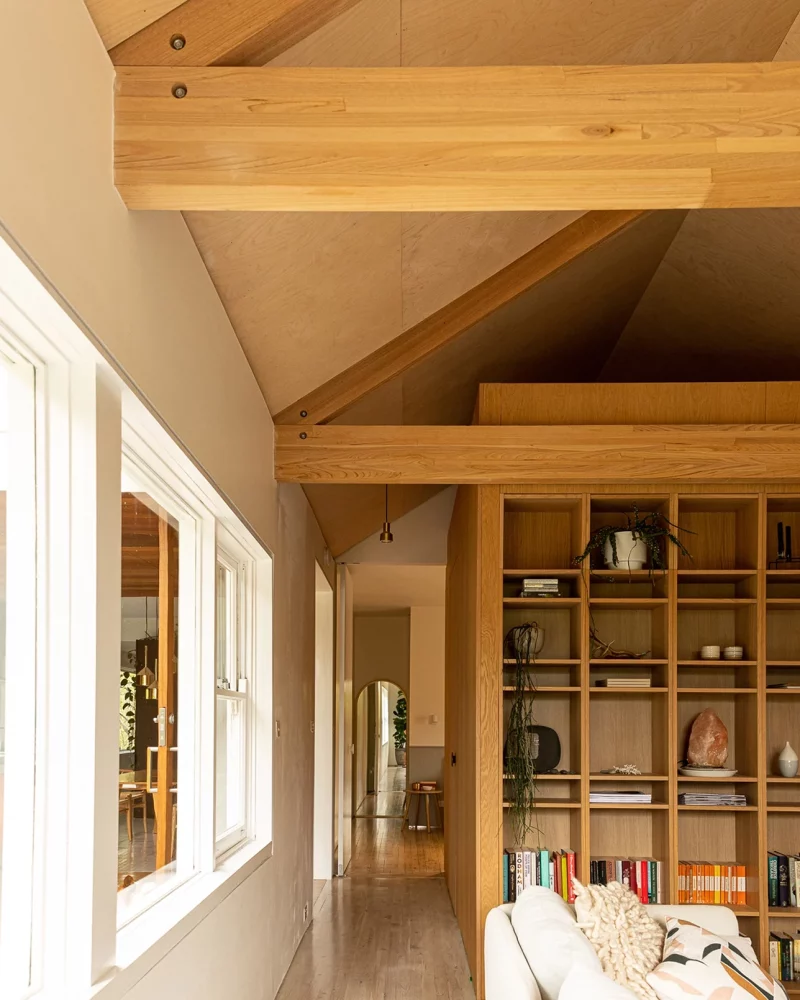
{"type": "Point", "coordinates": [400, 729]}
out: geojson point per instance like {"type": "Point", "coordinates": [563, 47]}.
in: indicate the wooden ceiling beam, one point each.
{"type": "Point", "coordinates": [442, 327]}
{"type": "Point", "coordinates": [232, 33]}
{"type": "Point", "coordinates": [538, 454]}
{"type": "Point", "coordinates": [522, 138]}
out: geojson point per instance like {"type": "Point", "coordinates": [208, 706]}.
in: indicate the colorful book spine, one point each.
{"type": "Point", "coordinates": [783, 880]}
{"type": "Point", "coordinates": [571, 873]}
{"type": "Point", "coordinates": [505, 878]}
{"type": "Point", "coordinates": [512, 876]}
{"type": "Point", "coordinates": [545, 866]}
{"type": "Point", "coordinates": [772, 879]}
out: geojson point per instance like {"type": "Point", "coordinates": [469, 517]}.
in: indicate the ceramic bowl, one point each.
{"type": "Point", "coordinates": [709, 653]}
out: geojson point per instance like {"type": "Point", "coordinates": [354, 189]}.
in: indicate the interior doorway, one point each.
{"type": "Point", "coordinates": [381, 748]}
{"type": "Point", "coordinates": [324, 693]}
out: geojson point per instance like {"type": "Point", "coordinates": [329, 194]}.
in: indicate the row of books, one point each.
{"type": "Point", "coordinates": [525, 867]}
{"type": "Point", "coordinates": [625, 682]}
{"type": "Point", "coordinates": [783, 878]}
{"type": "Point", "coordinates": [723, 883]}
{"type": "Point", "coordinates": [784, 956]}
{"type": "Point", "coordinates": [643, 876]}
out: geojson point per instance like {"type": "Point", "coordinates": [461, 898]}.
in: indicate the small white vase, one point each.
{"type": "Point", "coordinates": [787, 762]}
{"type": "Point", "coordinates": [631, 553]}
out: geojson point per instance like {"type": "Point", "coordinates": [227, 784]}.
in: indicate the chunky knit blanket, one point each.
{"type": "Point", "coordinates": [628, 942]}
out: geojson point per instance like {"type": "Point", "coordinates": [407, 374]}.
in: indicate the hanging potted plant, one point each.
{"type": "Point", "coordinates": [520, 756]}
{"type": "Point", "coordinates": [632, 546]}
{"type": "Point", "coordinates": [400, 715]}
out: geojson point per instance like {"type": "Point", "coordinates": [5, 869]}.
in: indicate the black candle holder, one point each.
{"type": "Point", "coordinates": [783, 561]}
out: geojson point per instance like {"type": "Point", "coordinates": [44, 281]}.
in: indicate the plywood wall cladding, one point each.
{"type": "Point", "coordinates": [722, 305]}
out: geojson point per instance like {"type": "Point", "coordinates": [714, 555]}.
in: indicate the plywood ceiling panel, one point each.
{"type": "Point", "coordinates": [723, 305]}
{"type": "Point", "coordinates": [586, 32]}
{"type": "Point", "coordinates": [444, 254]}
{"type": "Point", "coordinates": [348, 514]}
{"type": "Point", "coordinates": [308, 295]}
{"type": "Point", "coordinates": [366, 35]}
{"type": "Point", "coordinates": [562, 330]}
{"type": "Point", "coordinates": [790, 47]}
{"type": "Point", "coordinates": [117, 20]}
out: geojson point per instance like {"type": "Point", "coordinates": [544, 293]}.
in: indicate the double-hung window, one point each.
{"type": "Point", "coordinates": [234, 591]}
{"type": "Point", "coordinates": [135, 668]}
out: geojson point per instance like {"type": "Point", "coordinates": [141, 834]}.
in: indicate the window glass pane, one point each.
{"type": "Point", "coordinates": [223, 625]}
{"type": "Point", "coordinates": [148, 672]}
{"type": "Point", "coordinates": [230, 806]}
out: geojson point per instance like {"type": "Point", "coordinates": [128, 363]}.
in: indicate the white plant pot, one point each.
{"type": "Point", "coordinates": [631, 553]}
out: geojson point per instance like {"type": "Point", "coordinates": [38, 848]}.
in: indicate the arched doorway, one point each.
{"type": "Point", "coordinates": [381, 748]}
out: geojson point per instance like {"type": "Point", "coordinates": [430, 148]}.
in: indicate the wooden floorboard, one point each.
{"type": "Point", "coordinates": [382, 847]}
{"type": "Point", "coordinates": [381, 939]}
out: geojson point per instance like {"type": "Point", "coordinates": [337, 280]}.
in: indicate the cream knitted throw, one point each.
{"type": "Point", "coordinates": [628, 942]}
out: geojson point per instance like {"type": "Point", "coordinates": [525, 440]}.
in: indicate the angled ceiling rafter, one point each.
{"type": "Point", "coordinates": [443, 327]}
{"type": "Point", "coordinates": [207, 33]}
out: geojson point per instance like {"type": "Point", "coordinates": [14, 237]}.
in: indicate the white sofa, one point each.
{"type": "Point", "coordinates": [509, 976]}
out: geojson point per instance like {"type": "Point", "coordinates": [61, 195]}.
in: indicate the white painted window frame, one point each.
{"type": "Point", "coordinates": [238, 557]}
{"type": "Point", "coordinates": [83, 410]}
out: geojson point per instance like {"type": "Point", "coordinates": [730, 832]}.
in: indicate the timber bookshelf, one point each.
{"type": "Point", "coordinates": [532, 520]}
{"type": "Point", "coordinates": [724, 595]}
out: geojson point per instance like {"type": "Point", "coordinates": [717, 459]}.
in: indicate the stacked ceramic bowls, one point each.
{"type": "Point", "coordinates": [733, 653]}
{"type": "Point", "coordinates": [709, 652]}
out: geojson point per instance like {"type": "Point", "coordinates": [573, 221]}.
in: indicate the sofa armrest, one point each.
{"type": "Point", "coordinates": [507, 973]}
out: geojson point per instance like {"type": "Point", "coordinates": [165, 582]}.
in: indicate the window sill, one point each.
{"type": "Point", "coordinates": [144, 942]}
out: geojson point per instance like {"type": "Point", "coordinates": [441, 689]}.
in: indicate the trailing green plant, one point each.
{"type": "Point", "coordinates": [650, 528]}
{"type": "Point", "coordinates": [523, 643]}
{"type": "Point", "coordinates": [127, 710]}
{"type": "Point", "coordinates": [400, 716]}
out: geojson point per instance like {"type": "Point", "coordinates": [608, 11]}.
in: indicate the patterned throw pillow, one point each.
{"type": "Point", "coordinates": [627, 940]}
{"type": "Point", "coordinates": [705, 966]}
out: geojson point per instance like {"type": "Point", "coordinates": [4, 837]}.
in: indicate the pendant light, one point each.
{"type": "Point", "coordinates": [386, 534]}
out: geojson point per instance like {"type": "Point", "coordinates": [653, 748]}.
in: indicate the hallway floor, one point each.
{"type": "Point", "coordinates": [382, 847]}
{"type": "Point", "coordinates": [381, 939]}
{"type": "Point", "coordinates": [390, 797]}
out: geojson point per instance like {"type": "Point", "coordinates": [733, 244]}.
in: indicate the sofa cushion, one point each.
{"type": "Point", "coordinates": [627, 940]}
{"type": "Point", "coordinates": [582, 983]}
{"type": "Point", "coordinates": [550, 939]}
{"type": "Point", "coordinates": [707, 966]}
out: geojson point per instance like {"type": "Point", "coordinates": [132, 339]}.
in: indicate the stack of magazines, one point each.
{"type": "Point", "coordinates": [539, 587]}
{"type": "Point", "coordinates": [620, 797]}
{"type": "Point", "coordinates": [711, 799]}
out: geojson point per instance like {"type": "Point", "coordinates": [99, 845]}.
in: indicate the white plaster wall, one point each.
{"type": "Point", "coordinates": [136, 284]}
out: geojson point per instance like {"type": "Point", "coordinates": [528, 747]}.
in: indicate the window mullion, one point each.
{"type": "Point", "coordinates": [93, 708]}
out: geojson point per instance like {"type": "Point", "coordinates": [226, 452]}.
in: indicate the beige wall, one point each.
{"type": "Point", "coordinates": [136, 282]}
{"type": "Point", "coordinates": [427, 677]}
{"type": "Point", "coordinates": [381, 649]}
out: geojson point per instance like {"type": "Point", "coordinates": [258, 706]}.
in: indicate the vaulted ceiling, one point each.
{"type": "Point", "coordinates": [688, 296]}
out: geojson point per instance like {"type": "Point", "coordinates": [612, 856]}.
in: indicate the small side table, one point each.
{"type": "Point", "coordinates": [418, 795]}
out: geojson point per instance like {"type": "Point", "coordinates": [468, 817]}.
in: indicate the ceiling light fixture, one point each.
{"type": "Point", "coordinates": [386, 534]}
